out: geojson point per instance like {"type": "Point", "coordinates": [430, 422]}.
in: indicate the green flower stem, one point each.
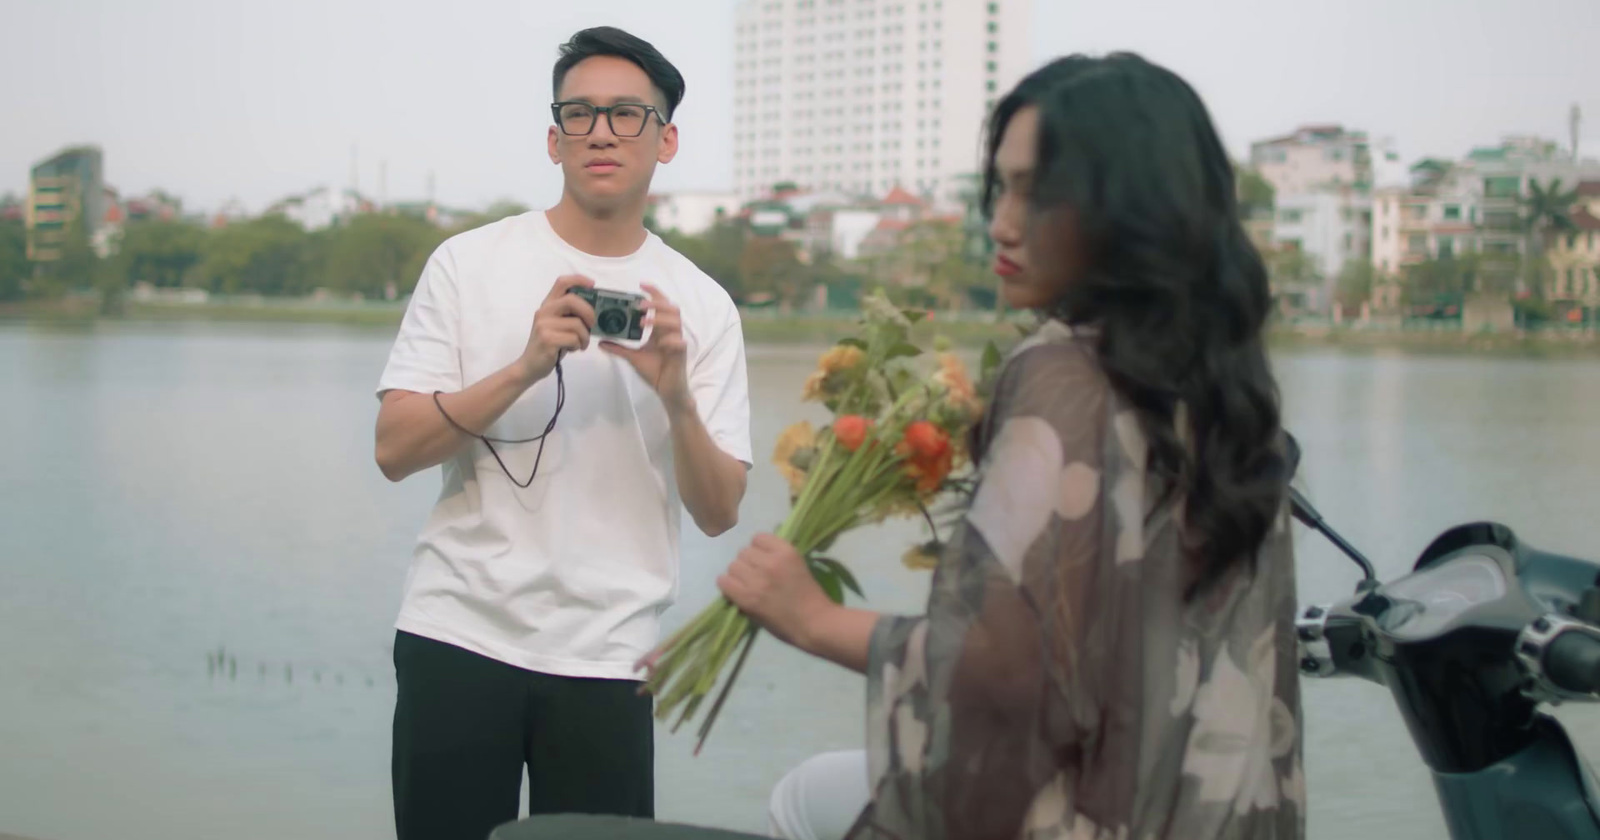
{"type": "Point", "coordinates": [685, 639]}
{"type": "Point", "coordinates": [859, 472]}
{"type": "Point", "coordinates": [732, 631]}
{"type": "Point", "coordinates": [685, 642]}
{"type": "Point", "coordinates": [727, 688]}
{"type": "Point", "coordinates": [690, 655]}
{"type": "Point", "coordinates": [721, 648]}
{"type": "Point", "coordinates": [814, 485]}
{"type": "Point", "coordinates": [679, 690]}
{"type": "Point", "coordinates": [688, 713]}
{"type": "Point", "coordinates": [872, 491]}
{"type": "Point", "coordinates": [807, 535]}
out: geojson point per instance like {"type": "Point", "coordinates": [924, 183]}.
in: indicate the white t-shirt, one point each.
{"type": "Point", "coordinates": [570, 575]}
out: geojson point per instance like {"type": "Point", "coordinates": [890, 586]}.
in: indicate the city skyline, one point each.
{"type": "Point", "coordinates": [181, 100]}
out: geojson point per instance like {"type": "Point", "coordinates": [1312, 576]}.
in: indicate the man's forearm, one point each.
{"type": "Point", "coordinates": [711, 481]}
{"type": "Point", "coordinates": [412, 435]}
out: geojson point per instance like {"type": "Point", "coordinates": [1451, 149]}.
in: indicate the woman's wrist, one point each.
{"type": "Point", "coordinates": [811, 631]}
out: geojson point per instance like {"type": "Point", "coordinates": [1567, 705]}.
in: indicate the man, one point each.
{"type": "Point", "coordinates": [539, 577]}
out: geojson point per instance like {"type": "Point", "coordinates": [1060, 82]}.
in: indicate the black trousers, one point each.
{"type": "Point", "coordinates": [466, 725]}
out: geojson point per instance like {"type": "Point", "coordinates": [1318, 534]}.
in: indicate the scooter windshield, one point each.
{"type": "Point", "coordinates": [1424, 604]}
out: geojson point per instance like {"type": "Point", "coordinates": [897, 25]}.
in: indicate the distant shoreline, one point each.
{"type": "Point", "coordinates": [764, 328]}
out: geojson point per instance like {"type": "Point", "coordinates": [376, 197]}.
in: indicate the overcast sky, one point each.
{"type": "Point", "coordinates": [217, 99]}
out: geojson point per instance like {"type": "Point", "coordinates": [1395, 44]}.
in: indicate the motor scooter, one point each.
{"type": "Point", "coordinates": [1483, 634]}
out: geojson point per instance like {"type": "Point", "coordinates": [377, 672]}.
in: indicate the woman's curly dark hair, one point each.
{"type": "Point", "coordinates": [1178, 296]}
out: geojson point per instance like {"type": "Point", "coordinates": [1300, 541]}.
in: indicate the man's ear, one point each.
{"type": "Point", "coordinates": [554, 142]}
{"type": "Point", "coordinates": [669, 143]}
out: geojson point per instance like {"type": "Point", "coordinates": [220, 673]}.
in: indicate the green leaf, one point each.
{"type": "Point", "coordinates": [843, 574]}
{"type": "Point", "coordinates": [991, 360]}
{"type": "Point", "coordinates": [902, 380]}
{"type": "Point", "coordinates": [827, 579]}
{"type": "Point", "coordinates": [853, 342]}
{"type": "Point", "coordinates": [830, 585]}
{"type": "Point", "coordinates": [913, 315]}
{"type": "Point", "coordinates": [904, 350]}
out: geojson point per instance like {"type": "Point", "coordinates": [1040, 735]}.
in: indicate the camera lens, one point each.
{"type": "Point", "coordinates": [612, 321]}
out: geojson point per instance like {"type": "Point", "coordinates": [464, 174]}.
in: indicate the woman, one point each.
{"type": "Point", "coordinates": [1108, 650]}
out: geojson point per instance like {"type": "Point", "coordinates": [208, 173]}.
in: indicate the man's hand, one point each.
{"type": "Point", "coordinates": [562, 323]}
{"type": "Point", "coordinates": [662, 361]}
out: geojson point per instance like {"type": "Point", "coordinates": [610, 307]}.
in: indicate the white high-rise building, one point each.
{"type": "Point", "coordinates": [859, 96]}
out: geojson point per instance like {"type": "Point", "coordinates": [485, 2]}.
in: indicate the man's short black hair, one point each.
{"type": "Point", "coordinates": [609, 40]}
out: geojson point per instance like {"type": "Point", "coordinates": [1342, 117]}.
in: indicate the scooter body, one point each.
{"type": "Point", "coordinates": [1483, 633]}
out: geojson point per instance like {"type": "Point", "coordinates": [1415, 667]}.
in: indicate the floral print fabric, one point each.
{"type": "Point", "coordinates": [1059, 685]}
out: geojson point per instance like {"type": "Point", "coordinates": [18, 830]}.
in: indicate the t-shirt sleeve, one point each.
{"type": "Point", "coordinates": [426, 356]}
{"type": "Point", "coordinates": [722, 391]}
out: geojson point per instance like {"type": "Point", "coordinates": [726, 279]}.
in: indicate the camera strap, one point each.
{"type": "Point", "coordinates": [561, 400]}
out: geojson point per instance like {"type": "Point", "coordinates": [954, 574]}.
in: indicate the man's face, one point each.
{"type": "Point", "coordinates": [602, 164]}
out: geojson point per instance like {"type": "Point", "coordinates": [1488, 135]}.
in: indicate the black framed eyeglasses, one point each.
{"type": "Point", "coordinates": [628, 119]}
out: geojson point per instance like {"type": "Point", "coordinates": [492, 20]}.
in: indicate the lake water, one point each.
{"type": "Point", "coordinates": [168, 496]}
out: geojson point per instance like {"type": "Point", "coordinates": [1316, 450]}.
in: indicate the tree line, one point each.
{"type": "Point", "coordinates": [935, 263]}
{"type": "Point", "coordinates": [928, 265]}
{"type": "Point", "coordinates": [376, 255]}
{"type": "Point", "coordinates": [269, 255]}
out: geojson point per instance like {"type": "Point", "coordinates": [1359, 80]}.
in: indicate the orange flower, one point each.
{"type": "Point", "coordinates": [930, 473]}
{"type": "Point", "coordinates": [927, 441]}
{"type": "Point", "coordinates": [840, 358]}
{"type": "Point", "coordinates": [952, 374]}
{"type": "Point", "coordinates": [963, 395]}
{"type": "Point", "coordinates": [929, 456]}
{"type": "Point", "coordinates": [851, 431]}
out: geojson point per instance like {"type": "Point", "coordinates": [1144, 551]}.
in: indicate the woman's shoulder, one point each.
{"type": "Point", "coordinates": [1053, 381]}
{"type": "Point", "coordinates": [1055, 361]}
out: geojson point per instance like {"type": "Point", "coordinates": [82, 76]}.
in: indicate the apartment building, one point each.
{"type": "Point", "coordinates": [862, 96]}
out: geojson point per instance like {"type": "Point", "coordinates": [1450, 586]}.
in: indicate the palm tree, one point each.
{"type": "Point", "coordinates": [1546, 209]}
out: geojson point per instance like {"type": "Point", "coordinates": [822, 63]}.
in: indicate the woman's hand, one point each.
{"type": "Point", "coordinates": [771, 583]}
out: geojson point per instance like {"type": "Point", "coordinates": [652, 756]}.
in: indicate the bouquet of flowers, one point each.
{"type": "Point", "coordinates": [896, 443]}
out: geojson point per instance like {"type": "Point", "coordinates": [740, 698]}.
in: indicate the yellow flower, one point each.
{"type": "Point", "coordinates": [840, 358]}
{"type": "Point", "coordinates": [795, 447]}
{"type": "Point", "coordinates": [815, 387]}
{"type": "Point", "coordinates": [924, 557]}
{"type": "Point", "coordinates": [831, 371]}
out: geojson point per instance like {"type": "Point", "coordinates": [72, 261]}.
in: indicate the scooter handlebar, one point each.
{"type": "Point", "coordinates": [1572, 662]}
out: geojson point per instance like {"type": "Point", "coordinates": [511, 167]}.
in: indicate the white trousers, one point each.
{"type": "Point", "coordinates": [821, 798]}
